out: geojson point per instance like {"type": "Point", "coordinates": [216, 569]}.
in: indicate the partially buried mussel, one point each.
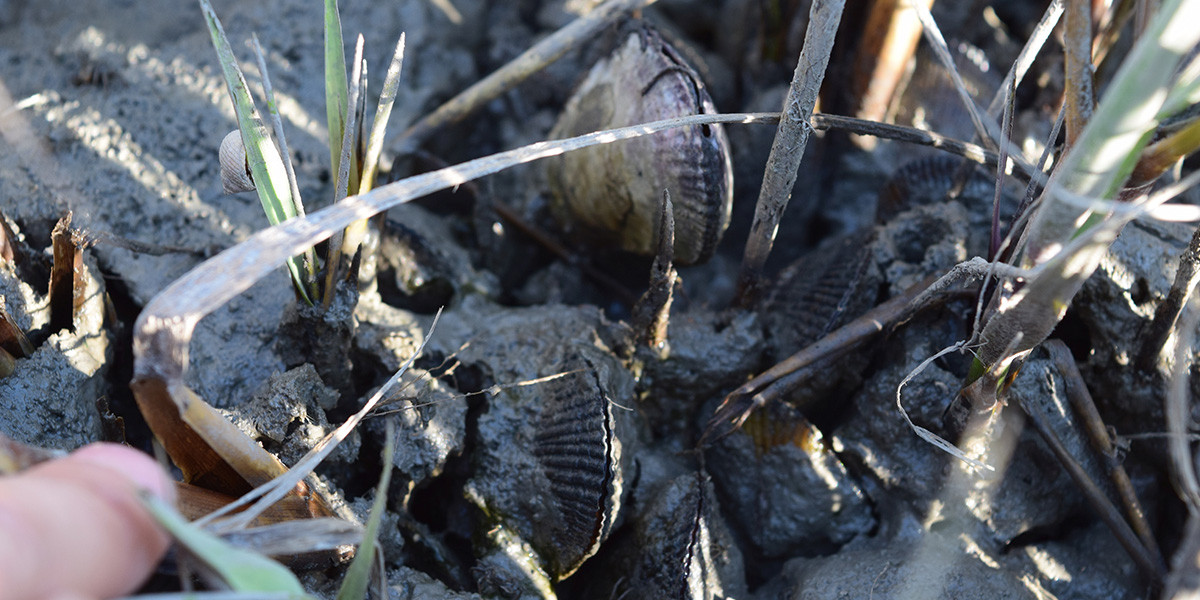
{"type": "Point", "coordinates": [555, 453]}
{"type": "Point", "coordinates": [611, 193]}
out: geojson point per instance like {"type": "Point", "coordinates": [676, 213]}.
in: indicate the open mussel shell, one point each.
{"type": "Point", "coordinates": [611, 192]}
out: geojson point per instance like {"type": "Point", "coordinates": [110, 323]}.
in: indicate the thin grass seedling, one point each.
{"type": "Point", "coordinates": [263, 159]}
{"type": "Point", "coordinates": [358, 575]}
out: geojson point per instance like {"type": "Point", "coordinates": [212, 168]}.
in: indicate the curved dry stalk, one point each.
{"type": "Point", "coordinates": [1177, 413]}
{"type": "Point", "coordinates": [165, 325]}
{"type": "Point", "coordinates": [164, 328]}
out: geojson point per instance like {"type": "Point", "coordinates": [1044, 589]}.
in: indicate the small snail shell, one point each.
{"type": "Point", "coordinates": [611, 192]}
{"type": "Point", "coordinates": [235, 171]}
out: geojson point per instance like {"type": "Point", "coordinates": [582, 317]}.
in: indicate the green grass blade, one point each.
{"type": "Point", "coordinates": [358, 575]}
{"type": "Point", "coordinates": [242, 570]}
{"type": "Point", "coordinates": [387, 98]}
{"type": "Point", "coordinates": [310, 257]}
{"type": "Point", "coordinates": [346, 177]}
{"type": "Point", "coordinates": [1124, 121]}
{"type": "Point", "coordinates": [1067, 239]}
{"type": "Point", "coordinates": [266, 164]}
{"type": "Point", "coordinates": [277, 125]}
{"type": "Point", "coordinates": [336, 90]}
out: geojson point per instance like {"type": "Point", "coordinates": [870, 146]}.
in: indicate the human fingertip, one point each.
{"type": "Point", "coordinates": [139, 468]}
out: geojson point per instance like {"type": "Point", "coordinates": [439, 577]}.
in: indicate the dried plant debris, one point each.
{"type": "Point", "coordinates": [13, 340]}
{"type": "Point", "coordinates": [49, 399]}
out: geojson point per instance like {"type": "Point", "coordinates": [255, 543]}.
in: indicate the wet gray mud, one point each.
{"type": "Point", "coordinates": [542, 450]}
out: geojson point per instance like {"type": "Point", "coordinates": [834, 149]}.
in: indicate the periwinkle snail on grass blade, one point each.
{"type": "Point", "coordinates": [610, 193]}
{"type": "Point", "coordinates": [235, 173]}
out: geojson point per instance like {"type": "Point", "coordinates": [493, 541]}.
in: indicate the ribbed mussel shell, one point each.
{"type": "Point", "coordinates": [680, 547]}
{"type": "Point", "coordinates": [612, 192]}
{"type": "Point", "coordinates": [820, 292]}
{"type": "Point", "coordinates": [580, 454]}
{"type": "Point", "coordinates": [929, 180]}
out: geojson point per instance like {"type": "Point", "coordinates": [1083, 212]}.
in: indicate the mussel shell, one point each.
{"type": "Point", "coordinates": [820, 292]}
{"type": "Point", "coordinates": [680, 547]}
{"type": "Point", "coordinates": [579, 452]}
{"type": "Point", "coordinates": [554, 445]}
{"type": "Point", "coordinates": [929, 180]}
{"type": "Point", "coordinates": [611, 192]}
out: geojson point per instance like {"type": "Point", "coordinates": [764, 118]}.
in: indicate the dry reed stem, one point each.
{"type": "Point", "coordinates": [1077, 45]}
{"type": "Point", "coordinates": [1037, 39]}
{"type": "Point", "coordinates": [889, 40]}
{"type": "Point", "coordinates": [791, 138]}
{"type": "Point", "coordinates": [1102, 443]}
{"type": "Point", "coordinates": [1095, 496]}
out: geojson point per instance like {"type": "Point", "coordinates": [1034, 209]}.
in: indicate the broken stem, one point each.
{"type": "Point", "coordinates": [1095, 496]}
